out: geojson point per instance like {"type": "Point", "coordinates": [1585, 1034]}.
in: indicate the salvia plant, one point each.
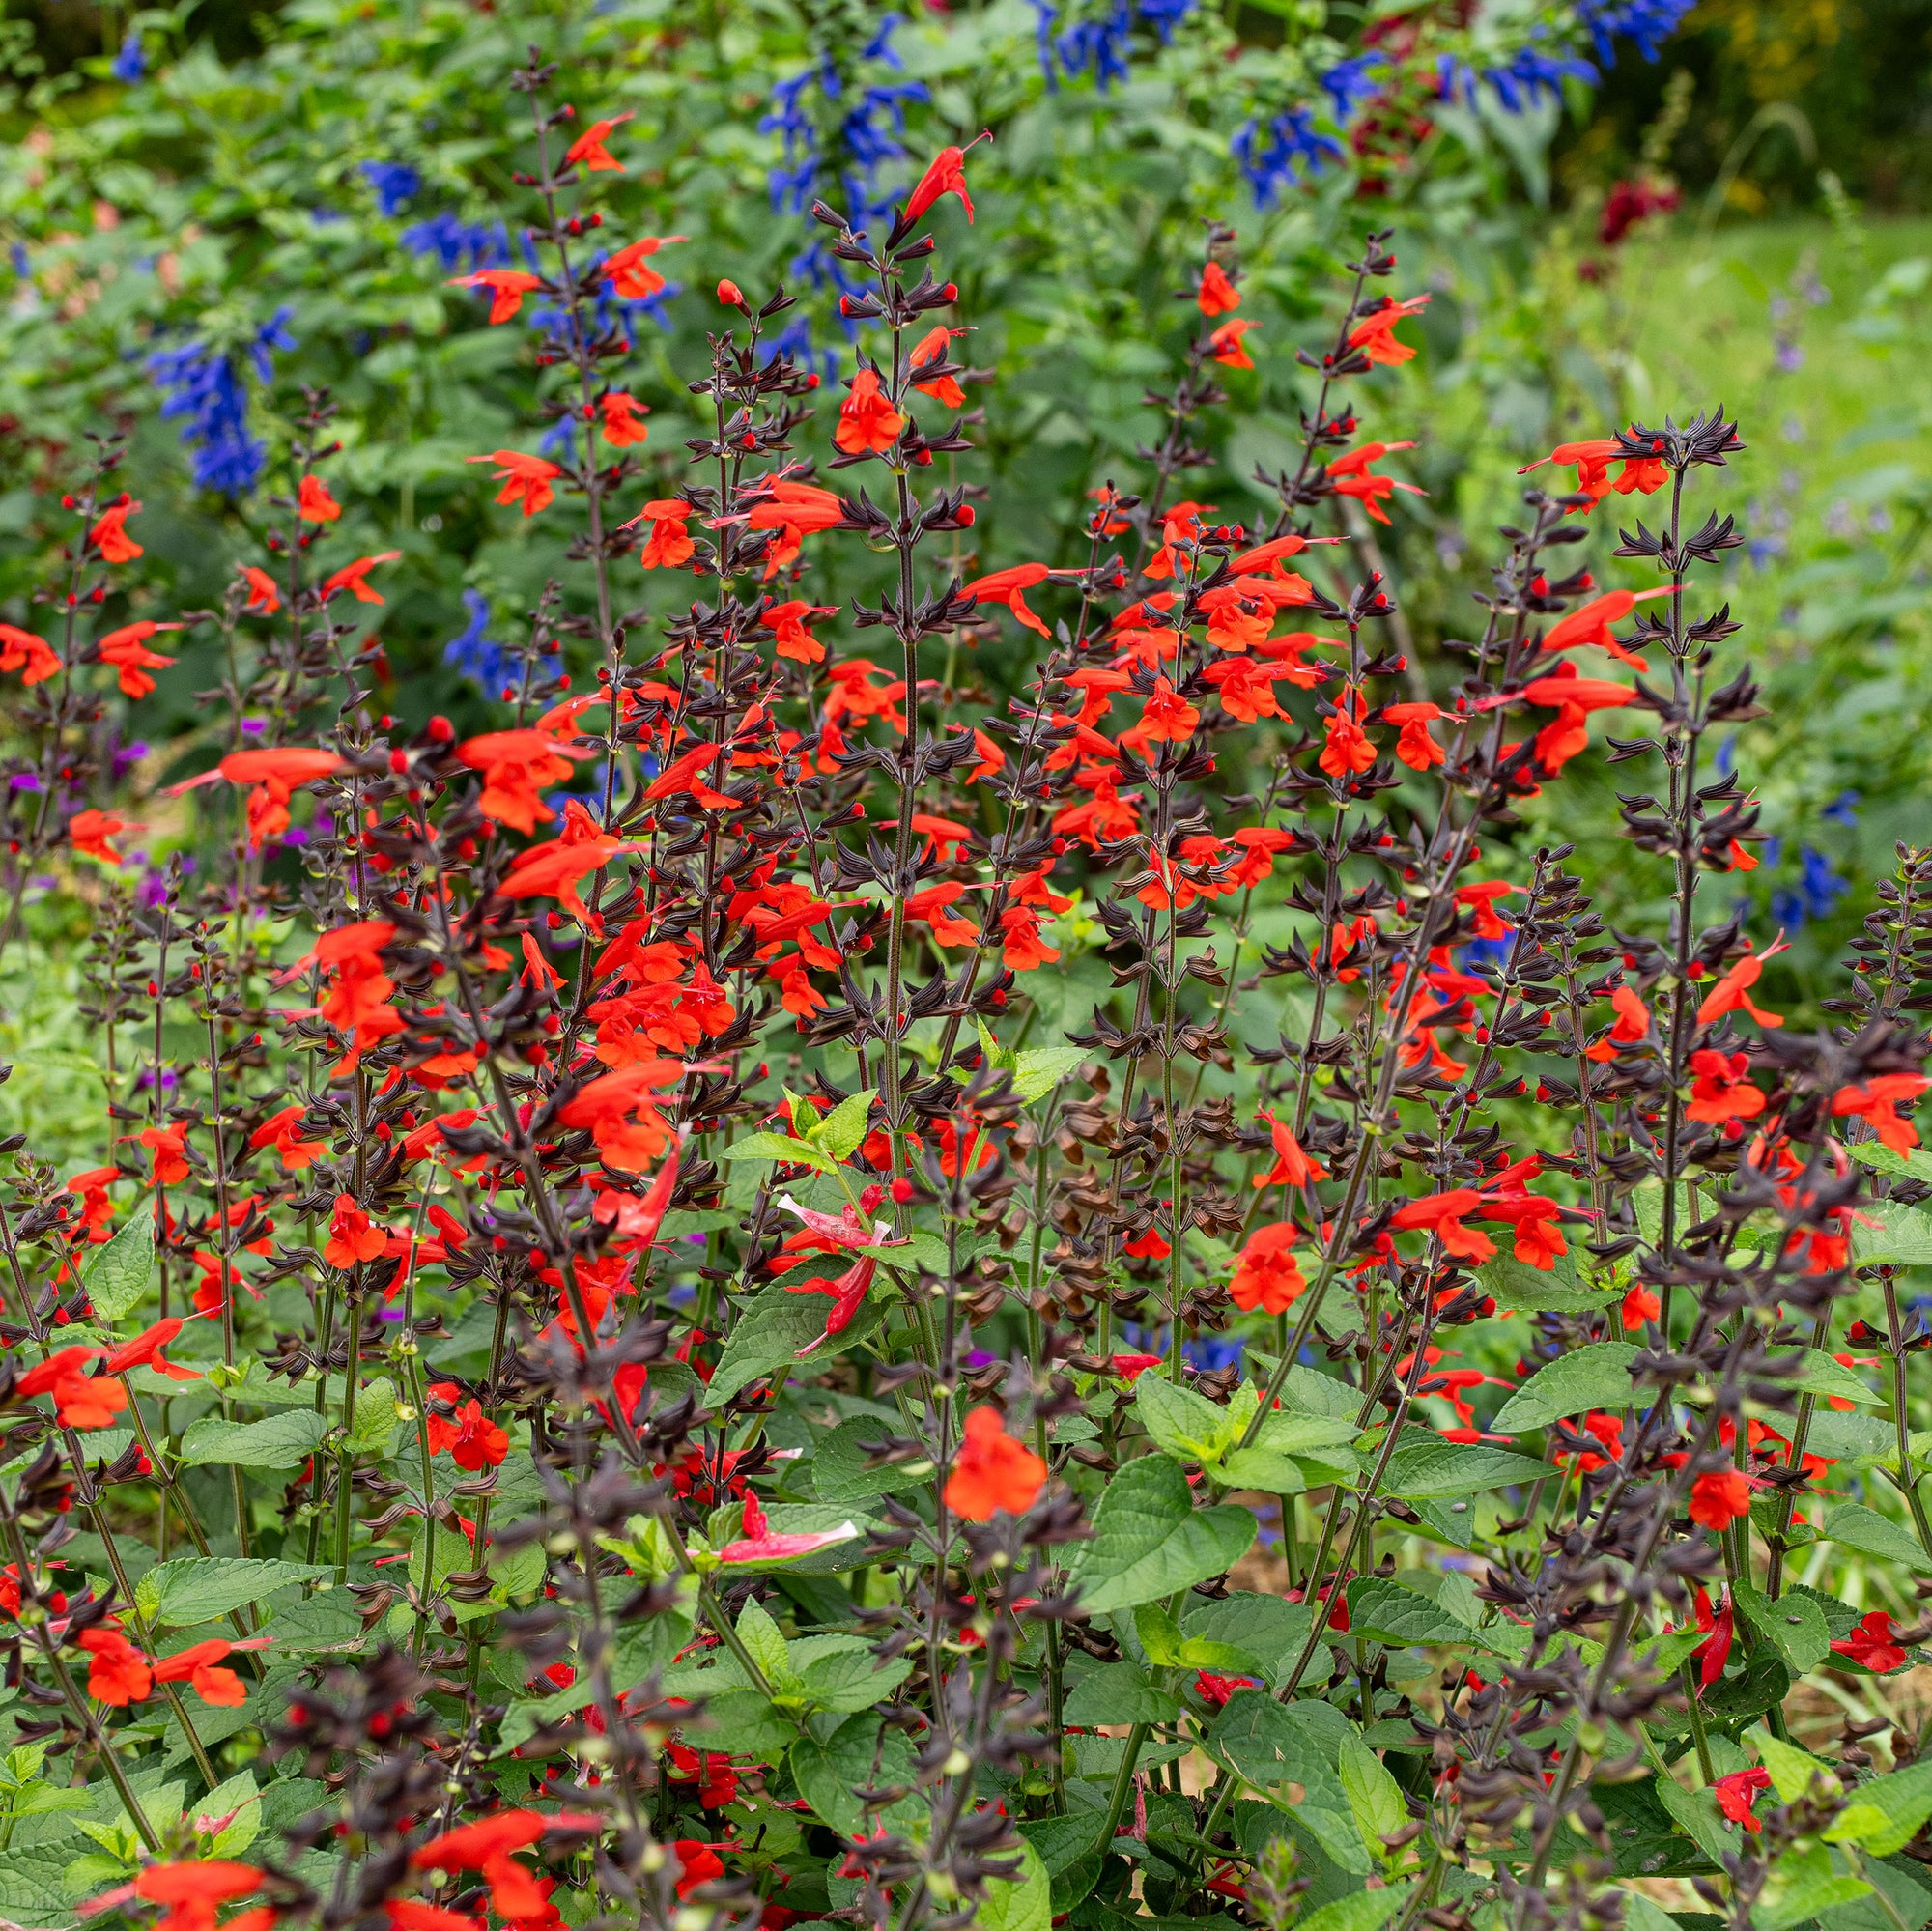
{"type": "Point", "coordinates": [632, 1355]}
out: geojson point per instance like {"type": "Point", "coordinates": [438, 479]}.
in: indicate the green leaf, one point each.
{"type": "Point", "coordinates": [741, 1722]}
{"type": "Point", "coordinates": [1824, 1377]}
{"type": "Point", "coordinates": [1449, 1469]}
{"type": "Point", "coordinates": [862, 1750]}
{"type": "Point", "coordinates": [241, 1797]}
{"type": "Point", "coordinates": [1360, 1911]}
{"type": "Point", "coordinates": [1272, 1631]}
{"type": "Point", "coordinates": [1150, 1541]}
{"type": "Point", "coordinates": [842, 1130]}
{"type": "Point", "coordinates": [783, 1149]}
{"type": "Point", "coordinates": [1384, 1611]}
{"type": "Point", "coordinates": [1903, 1235]}
{"type": "Point", "coordinates": [1374, 1796]}
{"type": "Point", "coordinates": [1882, 1159]}
{"type": "Point", "coordinates": [1023, 1902]}
{"type": "Point", "coordinates": [1183, 1423]}
{"type": "Point", "coordinates": [772, 1332]}
{"type": "Point", "coordinates": [279, 1441]}
{"type": "Point", "coordinates": [1641, 1915]}
{"type": "Point", "coordinates": [1597, 1376]}
{"type": "Point", "coordinates": [1275, 1745]}
{"type": "Point", "coordinates": [1793, 1626]}
{"type": "Point", "coordinates": [1802, 1883]}
{"type": "Point", "coordinates": [117, 1277]}
{"type": "Point", "coordinates": [1886, 1814]}
{"type": "Point", "coordinates": [1041, 1068]}
{"type": "Point", "coordinates": [1514, 1284]}
{"type": "Point", "coordinates": [196, 1589]}
{"type": "Point", "coordinates": [1695, 1813]}
{"type": "Point", "coordinates": [853, 1679]}
{"type": "Point", "coordinates": [765, 1644]}
{"type": "Point", "coordinates": [1260, 1469]}
{"type": "Point", "coordinates": [375, 1418]}
{"type": "Point", "coordinates": [1791, 1769]}
{"type": "Point", "coordinates": [1117, 1693]}
{"type": "Point", "coordinates": [1288, 1433]}
{"type": "Point", "coordinates": [839, 1470]}
{"type": "Point", "coordinates": [1873, 1534]}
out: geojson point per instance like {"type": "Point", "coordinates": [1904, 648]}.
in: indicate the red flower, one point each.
{"type": "Point", "coordinates": [867, 418]}
{"type": "Point", "coordinates": [1352, 474]}
{"type": "Point", "coordinates": [697, 1863]}
{"type": "Point", "coordinates": [589, 148]}
{"type": "Point", "coordinates": [1005, 587]}
{"type": "Point", "coordinates": [1640, 1305]}
{"type": "Point", "coordinates": [514, 765]}
{"type": "Point", "coordinates": [1877, 1101]}
{"type": "Point", "coordinates": [992, 1472]}
{"type": "Point", "coordinates": [1445, 1212]}
{"type": "Point", "coordinates": [81, 1401]}
{"type": "Point", "coordinates": [1874, 1644]}
{"type": "Point", "coordinates": [353, 1235]}
{"type": "Point", "coordinates": [669, 543]}
{"type": "Point", "coordinates": [629, 272]}
{"type": "Point", "coordinates": [1229, 351]}
{"type": "Point", "coordinates": [1216, 295]}
{"type": "Point", "coordinates": [145, 1352]}
{"type": "Point", "coordinates": [1415, 747]}
{"type": "Point", "coordinates": [1590, 623]}
{"type": "Point", "coordinates": [168, 1145]}
{"type": "Point", "coordinates": [525, 479]}
{"type": "Point", "coordinates": [1215, 1690]}
{"type": "Point", "coordinates": [20, 649]}
{"type": "Point", "coordinates": [507, 288]}
{"type": "Point", "coordinates": [1267, 1275]}
{"type": "Point", "coordinates": [471, 1438]}
{"type": "Point", "coordinates": [119, 1674]}
{"type": "Point", "coordinates": [1375, 335]}
{"type": "Point", "coordinates": [1738, 1791]}
{"type": "Point", "coordinates": [1717, 1499]}
{"type": "Point", "coordinates": [352, 578]}
{"type": "Point", "coordinates": [193, 1890]}
{"type": "Point", "coordinates": [1293, 1168]}
{"type": "Point", "coordinates": [126, 651]}
{"type": "Point", "coordinates": [945, 174]}
{"type": "Point", "coordinates": [88, 833]}
{"type": "Point", "coordinates": [1732, 993]}
{"type": "Point", "coordinates": [314, 503]}
{"type": "Point", "coordinates": [1722, 1089]}
{"type": "Point", "coordinates": [620, 412]}
{"type": "Point", "coordinates": [264, 594]}
{"type": "Point", "coordinates": [933, 348]}
{"type": "Point", "coordinates": [282, 1132]}
{"type": "Point", "coordinates": [196, 1665]}
{"type": "Point", "coordinates": [1592, 462]}
{"type": "Point", "coordinates": [109, 533]}
{"type": "Point", "coordinates": [1023, 949]}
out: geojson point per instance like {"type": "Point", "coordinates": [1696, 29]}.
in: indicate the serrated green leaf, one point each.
{"type": "Point", "coordinates": [1183, 1423]}
{"type": "Point", "coordinates": [1448, 1470]}
{"type": "Point", "coordinates": [1823, 1376]}
{"type": "Point", "coordinates": [842, 1129]}
{"type": "Point", "coordinates": [1023, 1902]}
{"type": "Point", "coordinates": [1886, 1814]}
{"type": "Point", "coordinates": [765, 1644]}
{"type": "Point", "coordinates": [1150, 1541]}
{"type": "Point", "coordinates": [838, 1471]}
{"type": "Point", "coordinates": [1514, 1284]}
{"type": "Point", "coordinates": [780, 1148]}
{"type": "Point", "coordinates": [1695, 1813]}
{"type": "Point", "coordinates": [1804, 1885]}
{"type": "Point", "coordinates": [1902, 1236]}
{"type": "Point", "coordinates": [1374, 1794]}
{"type": "Point", "coordinates": [862, 1750]}
{"type": "Point", "coordinates": [1117, 1693]}
{"type": "Point", "coordinates": [118, 1275]}
{"type": "Point", "coordinates": [1041, 1068]}
{"type": "Point", "coordinates": [1267, 1630]}
{"type": "Point", "coordinates": [1873, 1534]}
{"type": "Point", "coordinates": [1275, 1745]}
{"type": "Point", "coordinates": [194, 1589]}
{"type": "Point", "coordinates": [1261, 1468]}
{"type": "Point", "coordinates": [1597, 1376]}
{"type": "Point", "coordinates": [852, 1681]}
{"type": "Point", "coordinates": [278, 1442]}
{"type": "Point", "coordinates": [1359, 1911]}
{"type": "Point", "coordinates": [239, 1800]}
{"type": "Point", "coordinates": [1793, 1626]}
{"type": "Point", "coordinates": [1384, 1611]}
{"type": "Point", "coordinates": [772, 1330]}
{"type": "Point", "coordinates": [1792, 1770]}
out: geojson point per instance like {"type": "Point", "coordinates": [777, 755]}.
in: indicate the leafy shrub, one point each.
{"type": "Point", "coordinates": [713, 1283]}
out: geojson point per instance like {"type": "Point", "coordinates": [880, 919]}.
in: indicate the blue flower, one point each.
{"type": "Point", "coordinates": [1530, 74]}
{"type": "Point", "coordinates": [203, 384]}
{"type": "Point", "coordinates": [457, 245]}
{"type": "Point", "coordinates": [559, 440]}
{"type": "Point", "coordinates": [1102, 43]}
{"type": "Point", "coordinates": [1647, 22]}
{"type": "Point", "coordinates": [1350, 83]}
{"type": "Point", "coordinates": [395, 183]}
{"type": "Point", "coordinates": [1818, 890]}
{"type": "Point", "coordinates": [1271, 158]}
{"type": "Point", "coordinates": [1843, 809]}
{"type": "Point", "coordinates": [130, 63]}
{"type": "Point", "coordinates": [480, 658]}
{"type": "Point", "coordinates": [23, 264]}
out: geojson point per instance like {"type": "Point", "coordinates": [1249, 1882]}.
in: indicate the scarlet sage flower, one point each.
{"type": "Point", "coordinates": [81, 1401]}
{"type": "Point", "coordinates": [931, 350]}
{"type": "Point", "coordinates": [1717, 1499]}
{"type": "Point", "coordinates": [945, 174]}
{"type": "Point", "coordinates": [351, 577]}
{"type": "Point", "coordinates": [525, 479]}
{"type": "Point", "coordinates": [514, 765]}
{"type": "Point", "coordinates": [669, 543]}
{"type": "Point", "coordinates": [1375, 335]}
{"type": "Point", "coordinates": [1877, 1101]}
{"type": "Point", "coordinates": [867, 418]}
{"type": "Point", "coordinates": [126, 651]}
{"type": "Point", "coordinates": [787, 623]}
{"type": "Point", "coordinates": [1230, 350]}
{"type": "Point", "coordinates": [168, 1148]}
{"type": "Point", "coordinates": [119, 1673]}
{"type": "Point", "coordinates": [992, 1472]}
{"type": "Point", "coordinates": [1732, 992]}
{"type": "Point", "coordinates": [265, 596]}
{"type": "Point", "coordinates": [145, 1352]}
{"type": "Point", "coordinates": [21, 650]}
{"type": "Point", "coordinates": [110, 532]}
{"type": "Point", "coordinates": [1007, 586]}
{"type": "Point", "coordinates": [1292, 1167]}
{"type": "Point", "coordinates": [590, 151]}
{"type": "Point", "coordinates": [1267, 1275]}
{"type": "Point", "coordinates": [1738, 1791]}
{"type": "Point", "coordinates": [353, 1237]}
{"type": "Point", "coordinates": [283, 1133]}
{"type": "Point", "coordinates": [468, 1436]}
{"type": "Point", "coordinates": [1640, 1305]}
{"type": "Point", "coordinates": [507, 288]}
{"type": "Point", "coordinates": [761, 1543]}
{"type": "Point", "coordinates": [629, 270]}
{"type": "Point", "coordinates": [357, 1000]}
{"type": "Point", "coordinates": [557, 867]}
{"type": "Point", "coordinates": [1216, 295]}
{"type": "Point", "coordinates": [1023, 949]}
{"type": "Point", "coordinates": [1445, 1212]}
{"type": "Point", "coordinates": [1166, 717]}
{"type": "Point", "coordinates": [795, 510]}
{"type": "Point", "coordinates": [1722, 1089]}
{"type": "Point", "coordinates": [198, 1667]}
{"type": "Point", "coordinates": [1590, 623]}
{"type": "Point", "coordinates": [621, 425]}
{"type": "Point", "coordinates": [1415, 747]}
{"type": "Point", "coordinates": [88, 833]}
{"type": "Point", "coordinates": [1874, 1644]}
{"type": "Point", "coordinates": [605, 1106]}
{"type": "Point", "coordinates": [1592, 460]}
{"type": "Point", "coordinates": [276, 774]}
{"type": "Point", "coordinates": [314, 503]}
{"type": "Point", "coordinates": [1347, 748]}
{"type": "Point", "coordinates": [485, 1847]}
{"type": "Point", "coordinates": [1352, 474]}
{"type": "Point", "coordinates": [193, 1890]}
{"type": "Point", "coordinates": [412, 1914]}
